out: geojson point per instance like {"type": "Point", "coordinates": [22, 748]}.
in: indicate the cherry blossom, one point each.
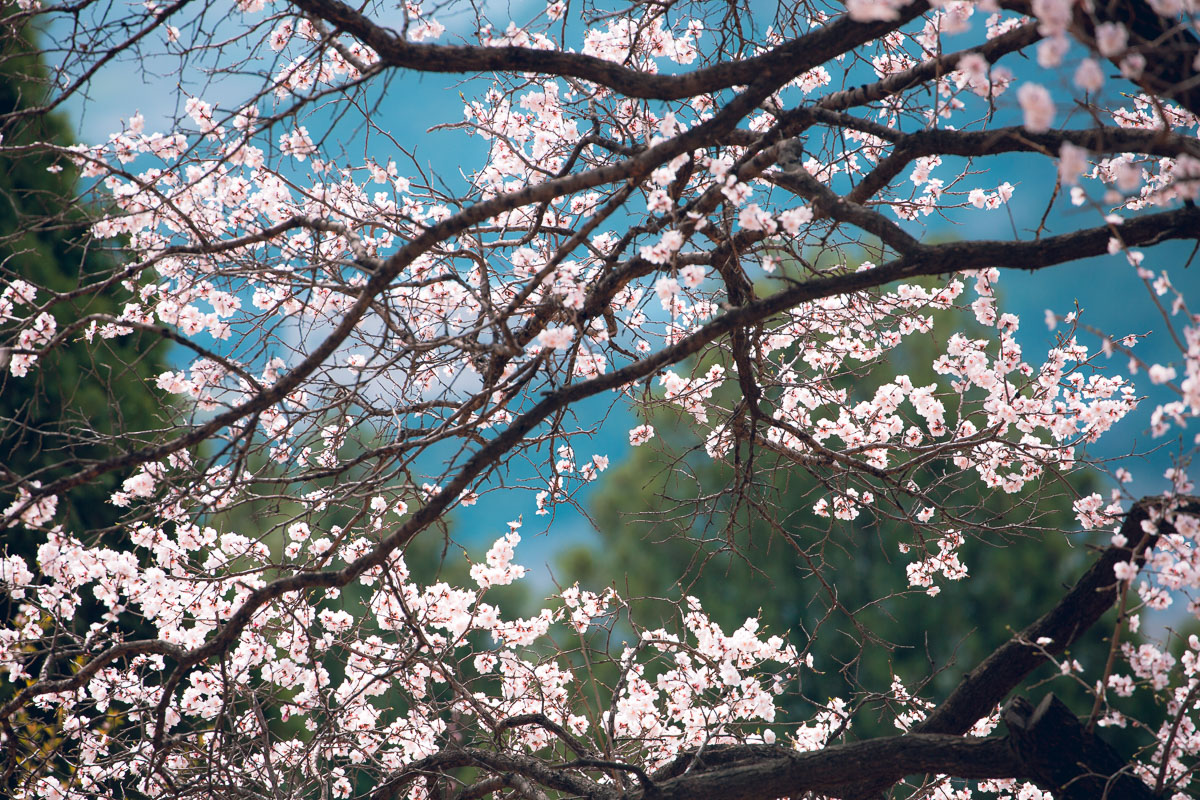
{"type": "Point", "coordinates": [655, 222]}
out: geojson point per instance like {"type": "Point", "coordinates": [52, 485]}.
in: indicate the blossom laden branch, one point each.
{"type": "Point", "coordinates": [701, 217]}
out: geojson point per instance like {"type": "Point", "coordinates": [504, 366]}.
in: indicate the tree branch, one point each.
{"type": "Point", "coordinates": [796, 56]}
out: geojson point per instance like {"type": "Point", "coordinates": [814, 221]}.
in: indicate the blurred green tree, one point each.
{"type": "Point", "coordinates": [99, 391]}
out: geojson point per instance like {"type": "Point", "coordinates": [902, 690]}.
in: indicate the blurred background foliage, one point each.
{"type": "Point", "coordinates": [78, 403]}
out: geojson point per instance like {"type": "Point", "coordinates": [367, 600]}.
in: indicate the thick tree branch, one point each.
{"type": "Point", "coordinates": [762, 773]}
{"type": "Point", "coordinates": [840, 769]}
{"type": "Point", "coordinates": [1066, 759]}
{"type": "Point", "coordinates": [984, 687]}
{"type": "Point", "coordinates": [527, 766]}
{"type": "Point", "coordinates": [796, 56]}
{"type": "Point", "coordinates": [1104, 139]}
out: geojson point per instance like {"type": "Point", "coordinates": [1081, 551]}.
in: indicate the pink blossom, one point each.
{"type": "Point", "coordinates": [140, 485]}
{"type": "Point", "coordinates": [35, 513]}
{"type": "Point", "coordinates": [297, 144]}
{"type": "Point", "coordinates": [794, 218]}
{"type": "Point", "coordinates": [1037, 106]}
{"type": "Point", "coordinates": [666, 288]}
{"type": "Point", "coordinates": [693, 275]}
{"type": "Point", "coordinates": [1073, 161]}
{"type": "Point", "coordinates": [1132, 66]}
{"type": "Point", "coordinates": [1125, 571]}
{"type": "Point", "coordinates": [753, 218]}
{"type": "Point", "coordinates": [1053, 15]}
{"type": "Point", "coordinates": [1089, 76]}
{"type": "Point", "coordinates": [1111, 39]}
{"type": "Point", "coordinates": [556, 337]}
{"type": "Point", "coordinates": [871, 10]}
{"type": "Point", "coordinates": [641, 434]}
{"type": "Point", "coordinates": [1160, 374]}
{"type": "Point", "coordinates": [1050, 51]}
